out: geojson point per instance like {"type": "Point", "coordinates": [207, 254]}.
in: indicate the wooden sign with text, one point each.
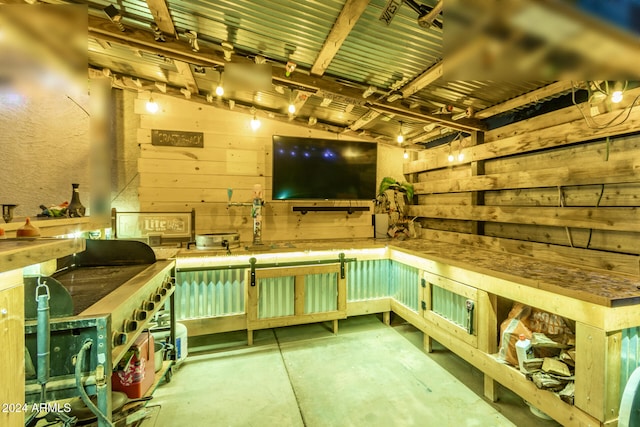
{"type": "Point", "coordinates": [177, 138]}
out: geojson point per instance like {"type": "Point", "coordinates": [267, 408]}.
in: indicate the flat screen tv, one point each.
{"type": "Point", "coordinates": [308, 168]}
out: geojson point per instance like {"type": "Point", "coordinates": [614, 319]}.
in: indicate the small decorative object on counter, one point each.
{"type": "Point", "coordinates": [28, 230]}
{"type": "Point", "coordinates": [54, 211]}
{"type": "Point", "coordinates": [75, 208]}
{"type": "Point", "coordinates": [392, 200]}
{"type": "Point", "coordinates": [7, 212]}
{"type": "Point", "coordinates": [2, 233]}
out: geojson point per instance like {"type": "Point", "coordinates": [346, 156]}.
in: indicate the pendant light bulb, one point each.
{"type": "Point", "coordinates": [400, 137]}
{"type": "Point", "coordinates": [219, 90]}
{"type": "Point", "coordinates": [616, 97]}
{"type": "Point", "coordinates": [406, 155]}
{"type": "Point", "coordinates": [152, 106]}
{"type": "Point", "coordinates": [450, 158]}
{"type": "Point", "coordinates": [460, 157]}
{"type": "Point", "coordinates": [292, 108]}
{"type": "Point", "coordinates": [255, 123]}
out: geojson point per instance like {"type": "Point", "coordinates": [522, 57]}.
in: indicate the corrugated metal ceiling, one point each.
{"type": "Point", "coordinates": [372, 53]}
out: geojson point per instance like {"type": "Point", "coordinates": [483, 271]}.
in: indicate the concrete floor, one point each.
{"type": "Point", "coordinates": [367, 375]}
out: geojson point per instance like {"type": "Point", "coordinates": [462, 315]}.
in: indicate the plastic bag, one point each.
{"type": "Point", "coordinates": [526, 320]}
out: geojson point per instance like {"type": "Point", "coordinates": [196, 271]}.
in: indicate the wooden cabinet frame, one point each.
{"type": "Point", "coordinates": [254, 322]}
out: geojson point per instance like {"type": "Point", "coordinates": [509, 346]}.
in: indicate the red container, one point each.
{"type": "Point", "coordinates": [135, 372]}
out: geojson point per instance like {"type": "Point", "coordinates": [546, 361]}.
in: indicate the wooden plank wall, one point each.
{"type": "Point", "coordinates": [234, 156]}
{"type": "Point", "coordinates": [550, 187]}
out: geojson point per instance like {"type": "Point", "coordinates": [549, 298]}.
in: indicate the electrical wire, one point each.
{"type": "Point", "coordinates": [591, 123]}
{"type": "Point", "coordinates": [83, 394]}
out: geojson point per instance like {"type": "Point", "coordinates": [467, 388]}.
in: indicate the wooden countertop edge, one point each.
{"type": "Point", "coordinates": [15, 253]}
{"type": "Point", "coordinates": [583, 295]}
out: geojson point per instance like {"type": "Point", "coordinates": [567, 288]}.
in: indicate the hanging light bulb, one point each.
{"type": "Point", "coordinates": [618, 92]}
{"type": "Point", "coordinates": [616, 96]}
{"type": "Point", "coordinates": [219, 88]}
{"type": "Point", "coordinates": [292, 108]}
{"type": "Point", "coordinates": [406, 155]}
{"type": "Point", "coordinates": [460, 156]}
{"type": "Point", "coordinates": [400, 137]}
{"type": "Point", "coordinates": [255, 122]}
{"type": "Point", "coordinates": [450, 158]}
{"type": "Point", "coordinates": [152, 106]}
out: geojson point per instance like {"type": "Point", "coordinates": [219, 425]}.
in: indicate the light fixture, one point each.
{"type": "Point", "coordinates": [255, 122]}
{"type": "Point", "coordinates": [405, 155]}
{"type": "Point", "coordinates": [394, 96]}
{"type": "Point", "coordinates": [459, 116]}
{"type": "Point", "coordinates": [219, 88]}
{"type": "Point", "coordinates": [369, 91]}
{"type": "Point", "coordinates": [152, 106]}
{"type": "Point", "coordinates": [157, 33]}
{"type": "Point", "coordinates": [227, 50]}
{"type": "Point", "coordinates": [400, 137]}
{"type": "Point", "coordinates": [114, 16]}
{"type": "Point", "coordinates": [292, 105]}
{"type": "Point", "coordinates": [312, 120]}
{"type": "Point", "coordinates": [289, 68]}
{"type": "Point", "coordinates": [192, 37]}
{"type": "Point", "coordinates": [618, 92]}
{"type": "Point", "coordinates": [460, 156]}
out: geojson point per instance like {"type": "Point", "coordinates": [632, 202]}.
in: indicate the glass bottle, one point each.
{"type": "Point", "coordinates": [75, 208]}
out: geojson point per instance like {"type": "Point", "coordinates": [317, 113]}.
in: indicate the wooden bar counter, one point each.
{"type": "Point", "coordinates": [602, 304]}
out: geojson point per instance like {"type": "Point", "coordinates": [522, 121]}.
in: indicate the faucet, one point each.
{"type": "Point", "coordinates": [256, 211]}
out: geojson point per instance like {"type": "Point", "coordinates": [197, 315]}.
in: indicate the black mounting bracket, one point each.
{"type": "Point", "coordinates": [348, 209]}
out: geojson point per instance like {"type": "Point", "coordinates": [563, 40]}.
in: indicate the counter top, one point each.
{"type": "Point", "coordinates": [587, 284]}
{"type": "Point", "coordinates": [18, 253]}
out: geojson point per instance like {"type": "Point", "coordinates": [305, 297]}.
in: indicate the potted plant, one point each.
{"type": "Point", "coordinates": [390, 208]}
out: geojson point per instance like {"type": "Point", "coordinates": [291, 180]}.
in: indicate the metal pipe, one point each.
{"type": "Point", "coordinates": [43, 339]}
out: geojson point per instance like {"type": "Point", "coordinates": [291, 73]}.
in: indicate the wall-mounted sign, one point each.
{"type": "Point", "coordinates": [177, 138]}
{"type": "Point", "coordinates": [142, 224]}
{"type": "Point", "coordinates": [390, 11]}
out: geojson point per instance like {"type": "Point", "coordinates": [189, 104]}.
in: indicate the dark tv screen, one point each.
{"type": "Point", "coordinates": [308, 168]}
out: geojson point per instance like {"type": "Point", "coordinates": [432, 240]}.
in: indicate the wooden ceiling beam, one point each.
{"type": "Point", "coordinates": [465, 125]}
{"type": "Point", "coordinates": [184, 69]}
{"type": "Point", "coordinates": [528, 98]}
{"type": "Point", "coordinates": [351, 12]}
{"type": "Point", "coordinates": [161, 16]}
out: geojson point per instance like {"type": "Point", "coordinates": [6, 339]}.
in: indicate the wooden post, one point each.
{"type": "Point", "coordinates": [299, 292]}
{"type": "Point", "coordinates": [386, 318]}
{"type": "Point", "coordinates": [335, 326]}
{"type": "Point", "coordinates": [477, 197]}
{"type": "Point", "coordinates": [487, 327]}
{"type": "Point", "coordinates": [598, 372]}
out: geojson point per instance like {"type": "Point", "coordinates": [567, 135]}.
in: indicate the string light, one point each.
{"type": "Point", "coordinates": [400, 137]}
{"type": "Point", "coordinates": [152, 106]}
{"type": "Point", "coordinates": [255, 122]}
{"type": "Point", "coordinates": [406, 155]}
{"type": "Point", "coordinates": [219, 88]}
